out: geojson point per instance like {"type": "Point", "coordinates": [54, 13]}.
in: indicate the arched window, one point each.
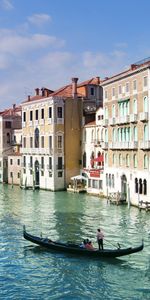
{"type": "Point", "coordinates": [98, 135]}
{"type": "Point", "coordinates": [135, 138]}
{"type": "Point", "coordinates": [113, 181]}
{"type": "Point", "coordinates": [84, 160]}
{"type": "Point", "coordinates": [92, 135]}
{"type": "Point", "coordinates": [8, 138]}
{"type": "Point", "coordinates": [145, 187]}
{"type": "Point", "coordinates": [145, 104]}
{"type": "Point", "coordinates": [135, 161]}
{"type": "Point", "coordinates": [136, 185]}
{"type": "Point", "coordinates": [114, 159]}
{"type": "Point", "coordinates": [106, 135]}
{"type": "Point", "coordinates": [92, 159]}
{"type": "Point", "coordinates": [99, 156]}
{"type": "Point", "coordinates": [146, 132]}
{"type": "Point", "coordinates": [114, 135]}
{"type": "Point", "coordinates": [135, 106]}
{"type": "Point", "coordinates": [145, 161]}
{"type": "Point", "coordinates": [109, 180]}
{"type": "Point", "coordinates": [106, 179]}
{"type": "Point", "coordinates": [113, 111]}
{"type": "Point", "coordinates": [140, 186]}
{"type": "Point", "coordinates": [120, 160]}
{"type": "Point", "coordinates": [36, 137]}
{"type": "Point", "coordinates": [127, 160]}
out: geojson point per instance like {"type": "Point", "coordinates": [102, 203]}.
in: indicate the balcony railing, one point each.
{"type": "Point", "coordinates": [145, 144]}
{"type": "Point", "coordinates": [144, 116]}
{"type": "Point", "coordinates": [123, 120]}
{"type": "Point", "coordinates": [112, 121]}
{"type": "Point", "coordinates": [37, 151]}
{"type": "Point", "coordinates": [133, 118]}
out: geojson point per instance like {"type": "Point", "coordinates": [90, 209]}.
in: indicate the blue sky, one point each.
{"type": "Point", "coordinates": [44, 43]}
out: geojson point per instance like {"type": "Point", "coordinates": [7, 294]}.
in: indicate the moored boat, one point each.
{"type": "Point", "coordinates": [74, 248]}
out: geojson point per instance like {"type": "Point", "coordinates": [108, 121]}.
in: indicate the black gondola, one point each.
{"type": "Point", "coordinates": [76, 249]}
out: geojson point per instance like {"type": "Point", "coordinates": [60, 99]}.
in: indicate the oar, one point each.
{"type": "Point", "coordinates": [113, 244]}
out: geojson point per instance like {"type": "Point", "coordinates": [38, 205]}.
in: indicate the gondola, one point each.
{"type": "Point", "coordinates": [74, 248]}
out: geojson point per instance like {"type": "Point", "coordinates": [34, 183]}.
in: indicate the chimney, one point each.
{"type": "Point", "coordinates": [14, 106]}
{"type": "Point", "coordinates": [74, 87]}
{"type": "Point", "coordinates": [28, 97]}
{"type": "Point", "coordinates": [37, 91]}
{"type": "Point", "coordinates": [98, 79]}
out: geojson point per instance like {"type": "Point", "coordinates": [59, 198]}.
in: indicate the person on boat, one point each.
{"type": "Point", "coordinates": [100, 238]}
{"type": "Point", "coordinates": [89, 246]}
{"type": "Point", "coordinates": [83, 244]}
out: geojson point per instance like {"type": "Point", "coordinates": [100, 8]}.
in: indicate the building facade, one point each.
{"type": "Point", "coordinates": [93, 154]}
{"type": "Point", "coordinates": [127, 133]}
{"type": "Point", "coordinates": [51, 133]}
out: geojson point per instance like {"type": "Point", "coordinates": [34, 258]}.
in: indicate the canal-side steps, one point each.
{"type": "Point", "coordinates": [116, 198]}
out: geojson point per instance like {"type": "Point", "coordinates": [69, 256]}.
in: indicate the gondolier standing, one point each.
{"type": "Point", "coordinates": [100, 237]}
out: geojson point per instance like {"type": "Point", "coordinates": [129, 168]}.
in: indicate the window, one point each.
{"type": "Point", "coordinates": [42, 162]}
{"type": "Point", "coordinates": [31, 142]}
{"type": "Point", "coordinates": [24, 161]}
{"type": "Point", "coordinates": [146, 133]}
{"type": "Point", "coordinates": [24, 142]}
{"type": "Point", "coordinates": [42, 141]}
{"type": "Point", "coordinates": [24, 116]}
{"type": "Point", "coordinates": [11, 161]}
{"type": "Point", "coordinates": [31, 115]}
{"type": "Point", "coordinates": [106, 179]}
{"type": "Point", "coordinates": [134, 85]}
{"type": "Point", "coordinates": [145, 187]}
{"type": "Point", "coordinates": [145, 104]}
{"type": "Point", "coordinates": [145, 81]}
{"type": "Point", "coordinates": [92, 136]}
{"type": "Point", "coordinates": [84, 135]}
{"type": "Point", "coordinates": [127, 87]}
{"type": "Point", "coordinates": [135, 161]}
{"type": "Point", "coordinates": [113, 92]}
{"type": "Point", "coordinates": [114, 159]}
{"type": "Point", "coordinates": [136, 185]}
{"type": "Point", "coordinates": [7, 124]}
{"type": "Point", "coordinates": [113, 181]}
{"type": "Point", "coordinates": [145, 161]}
{"type": "Point", "coordinates": [60, 174]}
{"type": "Point", "coordinates": [92, 159]}
{"type": "Point", "coordinates": [36, 138]}
{"type": "Point", "coordinates": [113, 111]}
{"type": "Point", "coordinates": [127, 160]}
{"type": "Point", "coordinates": [59, 142]}
{"type": "Point", "coordinates": [135, 106]}
{"type": "Point", "coordinates": [50, 112]}
{"type": "Point", "coordinates": [59, 112]}
{"type": "Point", "coordinates": [106, 94]}
{"type": "Point", "coordinates": [135, 135]}
{"type": "Point", "coordinates": [84, 160]}
{"type": "Point", "coordinates": [18, 162]}
{"type": "Point", "coordinates": [31, 162]}
{"type": "Point", "coordinates": [18, 175]}
{"type": "Point", "coordinates": [120, 160]}
{"type": "Point", "coordinates": [119, 90]}
{"type": "Point", "coordinates": [92, 91]}
{"type": "Point", "coordinates": [42, 113]}
{"type": "Point", "coordinates": [36, 114]}
{"type": "Point", "coordinates": [11, 174]}
{"type": "Point", "coordinates": [106, 158]}
{"type": "Point", "coordinates": [140, 186]}
{"type": "Point", "coordinates": [50, 163]}
{"type": "Point", "coordinates": [50, 142]}
{"type": "Point", "coordinates": [59, 163]}
{"type": "Point", "coordinates": [8, 138]}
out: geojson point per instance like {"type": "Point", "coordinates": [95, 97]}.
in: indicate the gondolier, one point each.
{"type": "Point", "coordinates": [100, 237]}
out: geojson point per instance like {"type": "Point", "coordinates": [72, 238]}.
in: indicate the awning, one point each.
{"type": "Point", "coordinates": [78, 177]}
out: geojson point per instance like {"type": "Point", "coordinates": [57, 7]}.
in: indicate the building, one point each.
{"type": "Point", "coordinates": [51, 130]}
{"type": "Point", "coordinates": [127, 133]}
{"type": "Point", "coordinates": [92, 153]}
{"type": "Point", "coordinates": [10, 120]}
{"type": "Point", "coordinates": [15, 158]}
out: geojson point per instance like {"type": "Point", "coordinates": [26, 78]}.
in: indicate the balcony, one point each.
{"type": "Point", "coordinates": [133, 118]}
{"type": "Point", "coordinates": [38, 151]}
{"type": "Point", "coordinates": [145, 145]}
{"type": "Point", "coordinates": [144, 116]}
{"type": "Point", "coordinates": [133, 145]}
{"type": "Point", "coordinates": [123, 120]}
{"type": "Point", "coordinates": [112, 121]}
{"type": "Point", "coordinates": [105, 145]}
{"type": "Point", "coordinates": [105, 122]}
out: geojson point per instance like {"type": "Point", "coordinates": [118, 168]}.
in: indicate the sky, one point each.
{"type": "Point", "coordinates": [44, 43]}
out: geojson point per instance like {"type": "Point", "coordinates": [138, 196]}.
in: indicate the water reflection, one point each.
{"type": "Point", "coordinates": [30, 272]}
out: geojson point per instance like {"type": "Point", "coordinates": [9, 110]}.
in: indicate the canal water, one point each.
{"type": "Point", "coordinates": [29, 272]}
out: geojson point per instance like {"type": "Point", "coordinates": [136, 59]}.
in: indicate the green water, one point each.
{"type": "Point", "coordinates": [30, 272]}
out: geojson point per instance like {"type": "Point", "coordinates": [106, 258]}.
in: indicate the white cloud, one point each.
{"type": "Point", "coordinates": [14, 43]}
{"type": "Point", "coordinates": [6, 4]}
{"type": "Point", "coordinates": [39, 19]}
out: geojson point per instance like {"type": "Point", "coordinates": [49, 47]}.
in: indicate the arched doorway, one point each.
{"type": "Point", "coordinates": [37, 177]}
{"type": "Point", "coordinates": [123, 187]}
